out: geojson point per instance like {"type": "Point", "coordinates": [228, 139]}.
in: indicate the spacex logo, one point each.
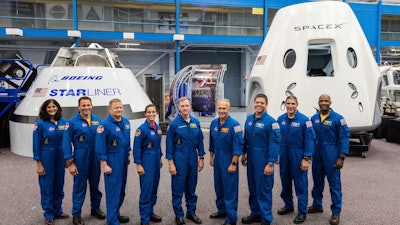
{"type": "Point", "coordinates": [319, 27]}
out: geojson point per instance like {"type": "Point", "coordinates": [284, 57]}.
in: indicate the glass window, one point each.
{"type": "Point", "coordinates": [289, 58]}
{"type": "Point", "coordinates": [390, 27]}
{"type": "Point", "coordinates": [220, 20]}
{"type": "Point", "coordinates": [319, 60]}
{"type": "Point", "coordinates": [351, 57]}
{"type": "Point", "coordinates": [30, 14]}
{"type": "Point", "coordinates": [126, 17]}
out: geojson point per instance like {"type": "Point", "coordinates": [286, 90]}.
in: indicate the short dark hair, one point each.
{"type": "Point", "coordinates": [43, 112]}
{"type": "Point", "coordinates": [84, 98]}
{"type": "Point", "coordinates": [261, 95]}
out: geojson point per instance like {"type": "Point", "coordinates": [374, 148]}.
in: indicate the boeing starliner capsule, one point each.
{"type": "Point", "coordinates": [91, 71]}
{"type": "Point", "coordinates": [318, 48]}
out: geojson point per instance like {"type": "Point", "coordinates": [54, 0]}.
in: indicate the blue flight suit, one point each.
{"type": "Point", "coordinates": [82, 136]}
{"type": "Point", "coordinates": [183, 145]}
{"type": "Point", "coordinates": [147, 152]}
{"type": "Point", "coordinates": [226, 140]}
{"type": "Point", "coordinates": [47, 147]}
{"type": "Point", "coordinates": [332, 140]}
{"type": "Point", "coordinates": [297, 142]}
{"type": "Point", "coordinates": [262, 138]}
{"type": "Point", "coordinates": [113, 145]}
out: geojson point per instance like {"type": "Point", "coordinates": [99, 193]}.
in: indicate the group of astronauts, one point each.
{"type": "Point", "coordinates": [85, 145]}
{"type": "Point", "coordinates": [295, 139]}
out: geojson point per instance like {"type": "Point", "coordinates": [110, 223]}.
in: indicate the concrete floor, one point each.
{"type": "Point", "coordinates": [370, 192]}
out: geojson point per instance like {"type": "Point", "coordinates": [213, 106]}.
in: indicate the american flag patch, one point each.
{"type": "Point", "coordinates": [261, 60]}
{"type": "Point", "coordinates": [343, 122]}
{"type": "Point", "coordinates": [275, 126]}
{"type": "Point", "coordinates": [40, 92]}
{"type": "Point", "coordinates": [237, 129]}
{"type": "Point", "coordinates": [308, 124]}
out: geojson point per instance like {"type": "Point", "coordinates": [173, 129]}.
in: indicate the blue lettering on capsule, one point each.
{"type": "Point", "coordinates": [81, 78]}
{"type": "Point", "coordinates": [86, 92]}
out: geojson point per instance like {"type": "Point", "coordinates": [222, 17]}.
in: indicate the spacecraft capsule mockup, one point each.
{"type": "Point", "coordinates": [318, 48]}
{"type": "Point", "coordinates": [91, 71]}
{"type": "Point", "coordinates": [391, 85]}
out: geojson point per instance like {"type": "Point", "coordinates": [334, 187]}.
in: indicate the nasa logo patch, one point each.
{"type": "Point", "coordinates": [100, 129]}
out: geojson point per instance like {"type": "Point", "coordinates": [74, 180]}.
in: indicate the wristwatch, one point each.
{"type": "Point", "coordinates": [68, 162]}
{"type": "Point", "coordinates": [307, 158]}
{"type": "Point", "coordinates": [342, 158]}
{"type": "Point", "coordinates": [234, 163]}
{"type": "Point", "coordinates": [201, 157]}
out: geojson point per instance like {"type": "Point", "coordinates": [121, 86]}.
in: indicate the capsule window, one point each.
{"type": "Point", "coordinates": [351, 57]}
{"type": "Point", "coordinates": [320, 63]}
{"type": "Point", "coordinates": [289, 58]}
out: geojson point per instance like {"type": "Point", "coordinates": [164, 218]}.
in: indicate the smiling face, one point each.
{"type": "Point", "coordinates": [223, 109]}
{"type": "Point", "coordinates": [116, 110]}
{"type": "Point", "coordinates": [85, 108]}
{"type": "Point", "coordinates": [184, 107]}
{"type": "Point", "coordinates": [260, 106]}
{"type": "Point", "coordinates": [291, 107]}
{"type": "Point", "coordinates": [151, 114]}
{"type": "Point", "coordinates": [51, 109]}
{"type": "Point", "coordinates": [324, 103]}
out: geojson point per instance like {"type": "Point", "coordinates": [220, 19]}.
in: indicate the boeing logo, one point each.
{"type": "Point", "coordinates": [319, 27]}
{"type": "Point", "coordinates": [81, 78]}
{"type": "Point", "coordinates": [55, 79]}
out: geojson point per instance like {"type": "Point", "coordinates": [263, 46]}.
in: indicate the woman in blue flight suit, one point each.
{"type": "Point", "coordinates": [49, 156]}
{"type": "Point", "coordinates": [147, 156]}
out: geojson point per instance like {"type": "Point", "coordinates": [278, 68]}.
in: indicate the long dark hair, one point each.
{"type": "Point", "coordinates": [43, 112]}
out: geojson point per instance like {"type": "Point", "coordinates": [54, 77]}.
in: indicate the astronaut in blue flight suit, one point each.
{"type": "Point", "coordinates": [82, 161]}
{"type": "Point", "coordinates": [331, 147]}
{"type": "Point", "coordinates": [261, 144]}
{"type": "Point", "coordinates": [297, 147]}
{"type": "Point", "coordinates": [147, 157]}
{"type": "Point", "coordinates": [183, 145]}
{"type": "Point", "coordinates": [49, 157]}
{"type": "Point", "coordinates": [226, 144]}
{"type": "Point", "coordinates": [112, 149]}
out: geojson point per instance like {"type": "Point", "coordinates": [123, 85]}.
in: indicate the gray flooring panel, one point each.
{"type": "Point", "coordinates": [370, 192]}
